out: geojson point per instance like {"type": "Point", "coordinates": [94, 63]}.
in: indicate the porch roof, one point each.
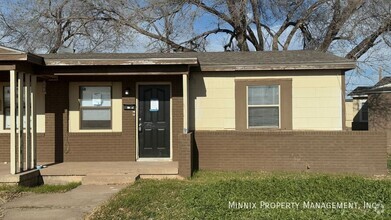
{"type": "Point", "coordinates": [12, 55]}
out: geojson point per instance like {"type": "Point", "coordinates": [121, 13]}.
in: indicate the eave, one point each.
{"type": "Point", "coordinates": [266, 67]}
{"type": "Point", "coordinates": [121, 62]}
{"type": "Point", "coordinates": [29, 57]}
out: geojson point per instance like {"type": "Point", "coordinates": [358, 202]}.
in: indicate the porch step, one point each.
{"type": "Point", "coordinates": [109, 179]}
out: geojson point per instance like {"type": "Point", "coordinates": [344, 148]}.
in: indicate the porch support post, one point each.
{"type": "Point", "coordinates": [28, 120]}
{"type": "Point", "coordinates": [185, 85]}
{"type": "Point", "coordinates": [33, 121]}
{"type": "Point", "coordinates": [13, 159]}
{"type": "Point", "coordinates": [20, 120]}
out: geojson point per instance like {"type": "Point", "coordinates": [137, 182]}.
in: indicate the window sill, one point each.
{"type": "Point", "coordinates": [264, 128]}
{"type": "Point", "coordinates": [95, 133]}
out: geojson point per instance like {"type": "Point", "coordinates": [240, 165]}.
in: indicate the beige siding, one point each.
{"type": "Point", "coordinates": [40, 108]}
{"type": "Point", "coordinates": [349, 114]}
{"type": "Point", "coordinates": [74, 113]}
{"type": "Point", "coordinates": [317, 99]}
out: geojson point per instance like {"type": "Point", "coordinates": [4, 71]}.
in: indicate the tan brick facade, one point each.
{"type": "Point", "coordinates": [185, 161]}
{"type": "Point", "coordinates": [58, 145]}
{"type": "Point", "coordinates": [323, 151]}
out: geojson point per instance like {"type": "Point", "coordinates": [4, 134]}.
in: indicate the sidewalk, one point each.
{"type": "Point", "coordinates": [74, 204]}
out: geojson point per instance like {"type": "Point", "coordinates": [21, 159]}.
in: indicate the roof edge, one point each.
{"type": "Point", "coordinates": [265, 67]}
{"type": "Point", "coordinates": [121, 62]}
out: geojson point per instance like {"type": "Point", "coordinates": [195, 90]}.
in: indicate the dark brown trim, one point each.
{"type": "Point", "coordinates": [126, 62]}
{"type": "Point", "coordinates": [285, 97]}
{"type": "Point", "coordinates": [343, 91]}
{"type": "Point", "coordinates": [7, 67]}
{"type": "Point", "coordinates": [113, 70]}
{"type": "Point", "coordinates": [31, 58]}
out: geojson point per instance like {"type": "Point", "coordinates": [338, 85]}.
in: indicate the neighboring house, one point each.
{"type": "Point", "coordinates": [377, 106]}
{"type": "Point", "coordinates": [349, 114]}
{"type": "Point", "coordinates": [141, 107]}
{"type": "Point", "coordinates": [358, 109]}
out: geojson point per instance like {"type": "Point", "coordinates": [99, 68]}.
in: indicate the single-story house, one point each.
{"type": "Point", "coordinates": [378, 99]}
{"type": "Point", "coordinates": [220, 110]}
{"type": "Point", "coordinates": [358, 108]}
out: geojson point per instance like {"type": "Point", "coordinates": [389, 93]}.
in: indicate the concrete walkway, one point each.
{"type": "Point", "coordinates": [74, 204]}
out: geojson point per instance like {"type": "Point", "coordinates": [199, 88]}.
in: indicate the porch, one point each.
{"type": "Point", "coordinates": [92, 173]}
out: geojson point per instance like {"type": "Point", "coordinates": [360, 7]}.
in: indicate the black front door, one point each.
{"type": "Point", "coordinates": [154, 121]}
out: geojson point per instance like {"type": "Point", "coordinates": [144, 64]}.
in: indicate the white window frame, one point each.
{"type": "Point", "coordinates": [264, 106]}
{"type": "Point", "coordinates": [361, 103]}
{"type": "Point", "coordinates": [81, 108]}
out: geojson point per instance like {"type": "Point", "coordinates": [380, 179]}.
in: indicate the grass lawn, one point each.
{"type": "Point", "coordinates": [40, 189]}
{"type": "Point", "coordinates": [9, 192]}
{"type": "Point", "coordinates": [207, 196]}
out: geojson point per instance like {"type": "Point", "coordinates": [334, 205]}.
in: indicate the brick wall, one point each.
{"type": "Point", "coordinates": [120, 146]}
{"type": "Point", "coordinates": [324, 151]}
{"type": "Point", "coordinates": [379, 117]}
{"type": "Point", "coordinates": [58, 145]}
{"type": "Point", "coordinates": [185, 161]}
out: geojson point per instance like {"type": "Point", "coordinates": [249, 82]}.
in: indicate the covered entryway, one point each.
{"type": "Point", "coordinates": [154, 132]}
{"type": "Point", "coordinates": [19, 108]}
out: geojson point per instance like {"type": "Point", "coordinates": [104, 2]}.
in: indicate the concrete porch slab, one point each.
{"type": "Point", "coordinates": [84, 168]}
{"type": "Point", "coordinates": [27, 178]}
{"type": "Point", "coordinates": [106, 173]}
{"type": "Point", "coordinates": [98, 173]}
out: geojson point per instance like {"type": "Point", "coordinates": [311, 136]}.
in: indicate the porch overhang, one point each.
{"type": "Point", "coordinates": [121, 62]}
{"type": "Point", "coordinates": [20, 66]}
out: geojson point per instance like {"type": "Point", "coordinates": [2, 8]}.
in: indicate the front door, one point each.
{"type": "Point", "coordinates": [154, 121]}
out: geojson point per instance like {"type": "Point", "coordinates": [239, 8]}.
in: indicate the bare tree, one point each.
{"type": "Point", "coordinates": [257, 25]}
{"type": "Point", "coordinates": [352, 27]}
{"type": "Point", "coordinates": [45, 26]}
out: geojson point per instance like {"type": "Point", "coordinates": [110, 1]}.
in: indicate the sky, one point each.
{"type": "Point", "coordinates": [365, 75]}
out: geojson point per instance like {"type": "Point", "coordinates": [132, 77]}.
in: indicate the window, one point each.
{"type": "Point", "coordinates": [95, 107]}
{"type": "Point", "coordinates": [263, 106]}
{"type": "Point", "coordinates": [6, 108]}
{"type": "Point", "coordinates": [263, 103]}
{"type": "Point", "coordinates": [363, 110]}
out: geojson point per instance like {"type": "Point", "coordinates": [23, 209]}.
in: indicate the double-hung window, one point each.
{"type": "Point", "coordinates": [263, 106]}
{"type": "Point", "coordinates": [95, 107]}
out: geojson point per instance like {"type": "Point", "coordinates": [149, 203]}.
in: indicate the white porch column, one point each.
{"type": "Point", "coordinates": [33, 121]}
{"type": "Point", "coordinates": [27, 96]}
{"type": "Point", "coordinates": [13, 159]}
{"type": "Point", "coordinates": [185, 85]}
{"type": "Point", "coordinates": [20, 120]}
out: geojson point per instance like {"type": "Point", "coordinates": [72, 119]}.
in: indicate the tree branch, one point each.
{"type": "Point", "coordinates": [211, 10]}
{"type": "Point", "coordinates": [339, 19]}
{"type": "Point", "coordinates": [368, 42]}
{"type": "Point", "coordinates": [256, 15]}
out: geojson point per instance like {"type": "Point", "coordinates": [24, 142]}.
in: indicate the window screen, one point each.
{"type": "Point", "coordinates": [95, 107]}
{"type": "Point", "coordinates": [263, 106]}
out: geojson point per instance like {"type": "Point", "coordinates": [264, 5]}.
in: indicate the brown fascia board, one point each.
{"type": "Point", "coordinates": [265, 67]}
{"type": "Point", "coordinates": [29, 57]}
{"type": "Point", "coordinates": [121, 62]}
